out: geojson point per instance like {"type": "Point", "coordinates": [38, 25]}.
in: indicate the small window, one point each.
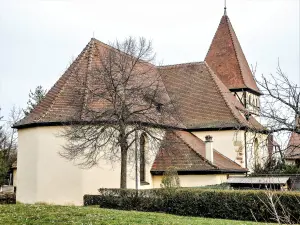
{"type": "Point", "coordinates": [142, 158]}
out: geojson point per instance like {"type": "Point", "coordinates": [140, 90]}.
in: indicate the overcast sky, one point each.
{"type": "Point", "coordinates": [39, 39]}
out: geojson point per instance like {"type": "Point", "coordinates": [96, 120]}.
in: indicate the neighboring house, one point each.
{"type": "Point", "coordinates": [217, 101]}
{"type": "Point", "coordinates": [292, 155]}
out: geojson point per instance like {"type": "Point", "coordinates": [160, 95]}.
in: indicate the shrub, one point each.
{"type": "Point", "coordinates": [223, 186]}
{"type": "Point", "coordinates": [274, 166]}
{"type": "Point", "coordinates": [91, 200]}
{"type": "Point", "coordinates": [225, 204]}
{"type": "Point", "coordinates": [7, 198]}
{"type": "Point", "coordinates": [170, 178]}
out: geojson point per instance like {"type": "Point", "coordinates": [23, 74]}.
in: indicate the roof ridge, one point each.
{"type": "Point", "coordinates": [109, 47]}
{"type": "Point", "coordinates": [89, 65]}
{"type": "Point", "coordinates": [226, 57]}
{"type": "Point", "coordinates": [214, 77]}
{"type": "Point", "coordinates": [217, 151]}
{"type": "Point", "coordinates": [190, 147]}
{"type": "Point", "coordinates": [234, 47]}
{"type": "Point", "coordinates": [210, 46]}
{"type": "Point", "coordinates": [69, 72]}
{"type": "Point", "coordinates": [228, 158]}
{"type": "Point", "coordinates": [180, 64]}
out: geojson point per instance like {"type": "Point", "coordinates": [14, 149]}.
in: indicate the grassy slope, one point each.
{"type": "Point", "coordinates": [50, 214]}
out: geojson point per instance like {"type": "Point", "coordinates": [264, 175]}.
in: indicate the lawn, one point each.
{"type": "Point", "coordinates": [51, 214]}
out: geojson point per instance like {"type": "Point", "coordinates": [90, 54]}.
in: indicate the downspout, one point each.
{"type": "Point", "coordinates": [136, 163]}
{"type": "Point", "coordinates": [245, 133]}
{"type": "Point", "coordinates": [246, 157]}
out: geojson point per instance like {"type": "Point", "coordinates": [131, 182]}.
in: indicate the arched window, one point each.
{"type": "Point", "coordinates": [142, 158]}
{"type": "Point", "coordinates": [256, 156]}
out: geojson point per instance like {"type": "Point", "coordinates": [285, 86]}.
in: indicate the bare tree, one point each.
{"type": "Point", "coordinates": [8, 142]}
{"type": "Point", "coordinates": [3, 164]}
{"type": "Point", "coordinates": [281, 102]}
{"type": "Point", "coordinates": [280, 108]}
{"type": "Point", "coordinates": [277, 210]}
{"type": "Point", "coordinates": [124, 95]}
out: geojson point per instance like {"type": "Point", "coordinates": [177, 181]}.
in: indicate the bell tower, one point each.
{"type": "Point", "coordinates": [226, 58]}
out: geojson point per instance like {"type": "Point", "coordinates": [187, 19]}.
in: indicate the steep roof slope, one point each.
{"type": "Point", "coordinates": [201, 99]}
{"type": "Point", "coordinates": [225, 56]}
{"type": "Point", "coordinates": [186, 152]}
{"type": "Point", "coordinates": [71, 99]}
{"type": "Point", "coordinates": [59, 104]}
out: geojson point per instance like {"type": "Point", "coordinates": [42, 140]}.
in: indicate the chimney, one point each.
{"type": "Point", "coordinates": [209, 151]}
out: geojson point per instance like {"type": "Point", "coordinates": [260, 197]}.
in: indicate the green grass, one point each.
{"type": "Point", "coordinates": [51, 214]}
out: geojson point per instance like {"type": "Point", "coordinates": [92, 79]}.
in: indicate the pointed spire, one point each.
{"type": "Point", "coordinates": [226, 58]}
{"type": "Point", "coordinates": [225, 8]}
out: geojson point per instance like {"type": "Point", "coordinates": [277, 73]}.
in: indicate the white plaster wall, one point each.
{"type": "Point", "coordinates": [58, 181]}
{"type": "Point", "coordinates": [228, 142]}
{"type": "Point", "coordinates": [194, 180]}
{"type": "Point", "coordinates": [44, 176]}
{"type": "Point", "coordinates": [27, 167]}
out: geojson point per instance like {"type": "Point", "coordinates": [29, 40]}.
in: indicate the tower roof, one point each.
{"type": "Point", "coordinates": [225, 56]}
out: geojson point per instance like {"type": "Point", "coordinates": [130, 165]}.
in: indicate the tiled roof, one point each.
{"type": "Point", "coordinates": [293, 150]}
{"type": "Point", "coordinates": [70, 99]}
{"type": "Point", "coordinates": [226, 58]}
{"type": "Point", "coordinates": [201, 99]}
{"type": "Point", "coordinates": [186, 152]}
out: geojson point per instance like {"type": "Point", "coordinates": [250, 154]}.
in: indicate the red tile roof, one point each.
{"type": "Point", "coordinates": [226, 58]}
{"type": "Point", "coordinates": [293, 150]}
{"type": "Point", "coordinates": [70, 99]}
{"type": "Point", "coordinates": [202, 100]}
{"type": "Point", "coordinates": [186, 152]}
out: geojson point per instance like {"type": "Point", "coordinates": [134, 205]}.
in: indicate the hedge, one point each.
{"type": "Point", "coordinates": [224, 204]}
{"type": "Point", "coordinates": [7, 198]}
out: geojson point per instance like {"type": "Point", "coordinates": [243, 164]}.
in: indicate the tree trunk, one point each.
{"type": "Point", "coordinates": [123, 183]}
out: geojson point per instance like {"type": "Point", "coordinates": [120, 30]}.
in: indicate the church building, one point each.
{"type": "Point", "coordinates": [218, 102]}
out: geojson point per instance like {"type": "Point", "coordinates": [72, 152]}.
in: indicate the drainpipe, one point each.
{"type": "Point", "coordinates": [136, 162]}
{"type": "Point", "coordinates": [245, 133]}
{"type": "Point", "coordinates": [246, 157]}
